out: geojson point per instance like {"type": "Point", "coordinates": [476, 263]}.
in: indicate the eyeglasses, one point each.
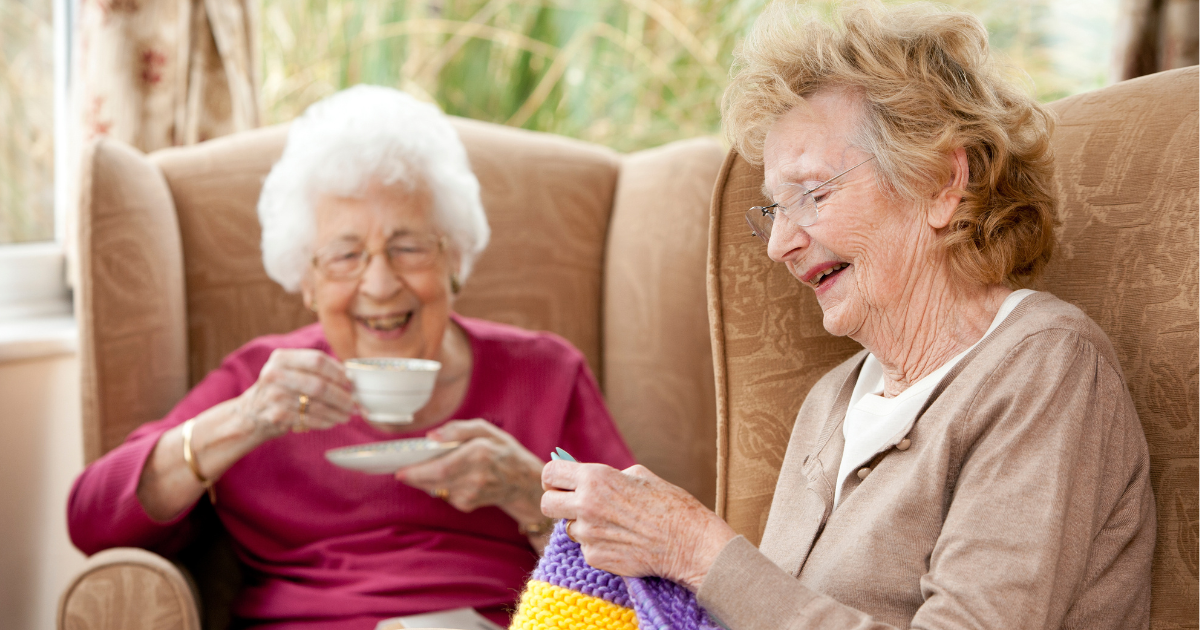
{"type": "Point", "coordinates": [348, 261]}
{"type": "Point", "coordinates": [796, 203]}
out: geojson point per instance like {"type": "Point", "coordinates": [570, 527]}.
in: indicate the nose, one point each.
{"type": "Point", "coordinates": [787, 240]}
{"type": "Point", "coordinates": [379, 282]}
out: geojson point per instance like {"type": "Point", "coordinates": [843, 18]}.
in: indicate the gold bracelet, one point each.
{"type": "Point", "coordinates": [537, 529]}
{"type": "Point", "coordinates": [190, 458]}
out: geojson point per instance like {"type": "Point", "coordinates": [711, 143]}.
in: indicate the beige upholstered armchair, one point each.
{"type": "Point", "coordinates": [1128, 256]}
{"type": "Point", "coordinates": [607, 250]}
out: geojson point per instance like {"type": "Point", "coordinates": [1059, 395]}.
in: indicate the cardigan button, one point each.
{"type": "Point", "coordinates": [863, 472]}
{"type": "Point", "coordinates": [904, 444]}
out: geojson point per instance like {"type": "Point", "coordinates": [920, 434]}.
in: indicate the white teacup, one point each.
{"type": "Point", "coordinates": [391, 390]}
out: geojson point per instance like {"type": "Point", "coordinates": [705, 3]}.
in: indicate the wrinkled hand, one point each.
{"type": "Point", "coordinates": [490, 468]}
{"type": "Point", "coordinates": [633, 523]}
{"type": "Point", "coordinates": [272, 404]}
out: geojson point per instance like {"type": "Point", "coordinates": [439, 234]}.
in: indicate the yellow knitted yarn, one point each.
{"type": "Point", "coordinates": [545, 606]}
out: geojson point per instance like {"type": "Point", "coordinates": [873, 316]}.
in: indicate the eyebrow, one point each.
{"type": "Point", "coordinates": [793, 181]}
{"type": "Point", "coordinates": [354, 238]}
{"type": "Point", "coordinates": [400, 232]}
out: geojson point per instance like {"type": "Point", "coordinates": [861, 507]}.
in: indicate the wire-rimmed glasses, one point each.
{"type": "Point", "coordinates": [348, 260]}
{"type": "Point", "coordinates": [795, 202]}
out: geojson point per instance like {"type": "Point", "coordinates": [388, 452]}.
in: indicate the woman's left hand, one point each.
{"type": "Point", "coordinates": [490, 468]}
{"type": "Point", "coordinates": [633, 523]}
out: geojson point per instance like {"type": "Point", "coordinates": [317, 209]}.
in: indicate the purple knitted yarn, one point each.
{"type": "Point", "coordinates": [660, 604]}
{"type": "Point", "coordinates": [664, 605]}
{"type": "Point", "coordinates": [563, 565]}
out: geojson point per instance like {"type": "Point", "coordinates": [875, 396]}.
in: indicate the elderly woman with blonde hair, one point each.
{"type": "Point", "coordinates": [980, 464]}
{"type": "Point", "coordinates": [374, 215]}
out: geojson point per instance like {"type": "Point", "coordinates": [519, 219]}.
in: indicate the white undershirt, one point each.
{"type": "Point", "coordinates": [874, 423]}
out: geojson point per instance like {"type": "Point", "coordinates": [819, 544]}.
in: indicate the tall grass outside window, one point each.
{"type": "Point", "coordinates": [630, 74]}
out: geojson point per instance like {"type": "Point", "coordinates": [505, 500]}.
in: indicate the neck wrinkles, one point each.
{"type": "Point", "coordinates": [932, 323]}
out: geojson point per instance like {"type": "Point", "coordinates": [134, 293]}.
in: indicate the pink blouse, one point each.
{"type": "Point", "coordinates": [336, 548]}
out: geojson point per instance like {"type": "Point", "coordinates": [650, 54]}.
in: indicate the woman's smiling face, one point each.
{"type": "Point", "coordinates": [864, 249]}
{"type": "Point", "coordinates": [381, 313]}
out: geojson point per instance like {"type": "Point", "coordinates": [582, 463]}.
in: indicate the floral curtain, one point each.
{"type": "Point", "coordinates": [161, 73]}
{"type": "Point", "coordinates": [1155, 35]}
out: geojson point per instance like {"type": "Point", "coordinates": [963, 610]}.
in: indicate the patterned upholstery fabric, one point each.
{"type": "Point", "coordinates": [130, 304]}
{"type": "Point", "coordinates": [1127, 180]}
{"type": "Point", "coordinates": [131, 589]}
{"type": "Point", "coordinates": [1128, 183]}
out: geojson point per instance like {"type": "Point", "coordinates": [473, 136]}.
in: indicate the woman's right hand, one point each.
{"type": "Point", "coordinates": [274, 404]}
{"type": "Point", "coordinates": [227, 431]}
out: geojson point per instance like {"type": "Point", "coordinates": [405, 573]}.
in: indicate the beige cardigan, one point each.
{"type": "Point", "coordinates": [1023, 501]}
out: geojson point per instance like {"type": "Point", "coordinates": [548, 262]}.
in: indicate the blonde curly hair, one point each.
{"type": "Point", "coordinates": [927, 85]}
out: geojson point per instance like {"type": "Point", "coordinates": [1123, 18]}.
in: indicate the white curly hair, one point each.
{"type": "Point", "coordinates": [343, 142]}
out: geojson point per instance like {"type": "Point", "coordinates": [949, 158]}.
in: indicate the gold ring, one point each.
{"type": "Point", "coordinates": [301, 426]}
{"type": "Point", "coordinates": [567, 529]}
{"type": "Point", "coordinates": [442, 493]}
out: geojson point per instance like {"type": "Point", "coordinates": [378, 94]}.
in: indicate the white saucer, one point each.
{"type": "Point", "coordinates": [381, 458]}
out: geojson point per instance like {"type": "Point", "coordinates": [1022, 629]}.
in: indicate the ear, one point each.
{"type": "Point", "coordinates": [946, 201]}
{"type": "Point", "coordinates": [454, 265]}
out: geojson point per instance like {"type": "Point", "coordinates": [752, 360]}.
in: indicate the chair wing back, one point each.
{"type": "Point", "coordinates": [130, 299]}
{"type": "Point", "coordinates": [658, 375]}
{"type": "Point", "coordinates": [1127, 182]}
{"type": "Point", "coordinates": [1127, 178]}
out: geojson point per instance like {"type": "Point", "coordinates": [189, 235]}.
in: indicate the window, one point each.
{"type": "Point", "coordinates": [630, 74]}
{"type": "Point", "coordinates": [34, 59]}
{"type": "Point", "coordinates": [27, 117]}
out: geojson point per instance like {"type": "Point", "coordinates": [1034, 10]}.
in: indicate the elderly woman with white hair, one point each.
{"type": "Point", "coordinates": [374, 215]}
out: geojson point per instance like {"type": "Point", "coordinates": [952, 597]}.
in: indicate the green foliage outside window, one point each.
{"type": "Point", "coordinates": [629, 74]}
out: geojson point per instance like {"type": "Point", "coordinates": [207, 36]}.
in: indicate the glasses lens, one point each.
{"type": "Point", "coordinates": [412, 253]}
{"type": "Point", "coordinates": [405, 253]}
{"type": "Point", "coordinates": [760, 222]}
{"type": "Point", "coordinates": [800, 205]}
{"type": "Point", "coordinates": [340, 263]}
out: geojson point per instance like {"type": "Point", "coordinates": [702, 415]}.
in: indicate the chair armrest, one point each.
{"type": "Point", "coordinates": [129, 588]}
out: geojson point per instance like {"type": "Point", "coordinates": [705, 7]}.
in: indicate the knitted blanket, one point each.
{"type": "Point", "coordinates": [564, 593]}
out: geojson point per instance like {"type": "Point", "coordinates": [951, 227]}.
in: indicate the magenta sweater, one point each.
{"type": "Point", "coordinates": [333, 548]}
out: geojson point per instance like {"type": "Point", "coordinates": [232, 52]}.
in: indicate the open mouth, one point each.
{"type": "Point", "coordinates": [385, 323]}
{"type": "Point", "coordinates": [826, 275]}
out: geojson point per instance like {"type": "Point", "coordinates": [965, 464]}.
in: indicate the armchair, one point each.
{"type": "Point", "coordinates": [606, 250]}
